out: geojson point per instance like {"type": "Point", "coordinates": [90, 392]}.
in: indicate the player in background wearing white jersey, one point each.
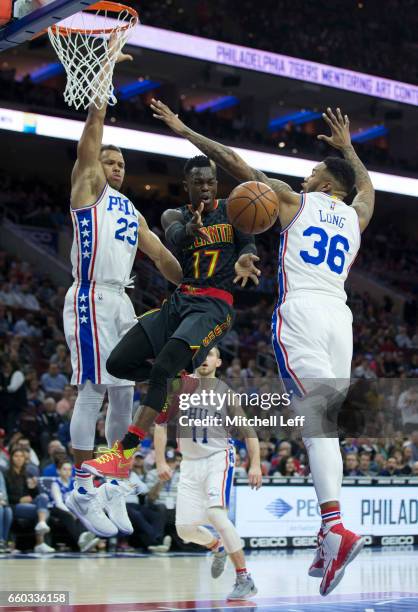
{"type": "Point", "coordinates": [97, 311]}
{"type": "Point", "coordinates": [206, 477]}
{"type": "Point", "coordinates": [312, 326]}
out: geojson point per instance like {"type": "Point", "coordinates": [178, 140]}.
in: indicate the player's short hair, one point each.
{"type": "Point", "coordinates": [342, 171]}
{"type": "Point", "coordinates": [200, 161]}
{"type": "Point", "coordinates": [109, 147]}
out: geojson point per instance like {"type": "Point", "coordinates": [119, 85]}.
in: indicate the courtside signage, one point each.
{"type": "Point", "coordinates": [172, 146]}
{"type": "Point", "coordinates": [286, 511]}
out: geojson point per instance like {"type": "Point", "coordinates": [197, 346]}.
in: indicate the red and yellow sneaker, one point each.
{"type": "Point", "coordinates": [340, 546]}
{"type": "Point", "coordinates": [112, 463]}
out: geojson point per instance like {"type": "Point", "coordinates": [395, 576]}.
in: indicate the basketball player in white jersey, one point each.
{"type": "Point", "coordinates": [108, 230]}
{"type": "Point", "coordinates": [311, 325]}
{"type": "Point", "coordinates": [206, 476]}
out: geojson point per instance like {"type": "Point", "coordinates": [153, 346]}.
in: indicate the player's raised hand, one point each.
{"type": "Point", "coordinates": [245, 269]}
{"type": "Point", "coordinates": [193, 227]}
{"type": "Point", "coordinates": [163, 113]}
{"type": "Point", "coordinates": [164, 471]}
{"type": "Point", "coordinates": [340, 129]}
{"type": "Point", "coordinates": [113, 46]}
{"type": "Point", "coordinates": [255, 477]}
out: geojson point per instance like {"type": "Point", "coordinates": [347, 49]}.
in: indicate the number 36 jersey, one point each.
{"type": "Point", "coordinates": [318, 248]}
{"type": "Point", "coordinates": [105, 239]}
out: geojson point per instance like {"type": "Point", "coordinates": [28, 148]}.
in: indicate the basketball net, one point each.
{"type": "Point", "coordinates": [88, 45]}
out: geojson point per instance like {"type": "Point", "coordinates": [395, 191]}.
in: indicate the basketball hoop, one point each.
{"type": "Point", "coordinates": [82, 45]}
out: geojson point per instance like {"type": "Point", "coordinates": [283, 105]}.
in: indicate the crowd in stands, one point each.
{"type": "Point", "coordinates": [357, 35]}
{"type": "Point", "coordinates": [36, 403]}
{"type": "Point", "coordinates": [235, 126]}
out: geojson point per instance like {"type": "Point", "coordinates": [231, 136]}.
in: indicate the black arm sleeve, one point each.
{"type": "Point", "coordinates": [245, 243]}
{"type": "Point", "coordinates": [176, 235]}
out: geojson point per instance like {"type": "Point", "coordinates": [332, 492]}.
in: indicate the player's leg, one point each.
{"type": "Point", "coordinates": [339, 545]}
{"type": "Point", "coordinates": [119, 412]}
{"type": "Point", "coordinates": [174, 357]}
{"type": "Point", "coordinates": [84, 501]}
{"type": "Point", "coordinates": [218, 487]}
{"type": "Point", "coordinates": [190, 506]}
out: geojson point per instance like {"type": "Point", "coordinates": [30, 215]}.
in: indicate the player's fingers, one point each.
{"type": "Point", "coordinates": [244, 281]}
{"type": "Point", "coordinates": [254, 257]}
{"type": "Point", "coordinates": [237, 278]}
{"type": "Point", "coordinates": [327, 120]}
{"type": "Point", "coordinates": [340, 117]}
{"type": "Point", "coordinates": [255, 270]}
{"type": "Point", "coordinates": [323, 137]}
{"type": "Point", "coordinates": [331, 115]}
{"type": "Point", "coordinates": [346, 120]}
{"type": "Point", "coordinates": [254, 278]}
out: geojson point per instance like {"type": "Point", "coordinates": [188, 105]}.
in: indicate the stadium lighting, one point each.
{"type": "Point", "coordinates": [172, 146]}
{"type": "Point", "coordinates": [216, 105]}
{"type": "Point", "coordinates": [296, 118]}
{"type": "Point", "coordinates": [136, 88]}
{"type": "Point", "coordinates": [46, 72]}
{"type": "Point", "coordinates": [370, 134]}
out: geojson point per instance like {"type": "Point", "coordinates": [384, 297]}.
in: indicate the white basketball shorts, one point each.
{"type": "Point", "coordinates": [96, 317]}
{"type": "Point", "coordinates": [204, 483]}
{"type": "Point", "coordinates": [312, 340]}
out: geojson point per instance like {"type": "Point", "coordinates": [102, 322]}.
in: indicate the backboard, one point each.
{"type": "Point", "coordinates": [34, 16]}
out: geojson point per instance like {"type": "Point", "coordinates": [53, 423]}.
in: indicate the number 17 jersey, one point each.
{"type": "Point", "coordinates": [105, 239]}
{"type": "Point", "coordinates": [318, 248]}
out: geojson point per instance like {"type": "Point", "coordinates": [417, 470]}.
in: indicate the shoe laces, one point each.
{"type": "Point", "coordinates": [107, 454]}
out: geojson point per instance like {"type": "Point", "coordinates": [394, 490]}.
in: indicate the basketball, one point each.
{"type": "Point", "coordinates": [252, 207]}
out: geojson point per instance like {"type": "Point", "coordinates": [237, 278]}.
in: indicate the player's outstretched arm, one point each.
{"type": "Point", "coordinates": [160, 443]}
{"type": "Point", "coordinates": [151, 245]}
{"type": "Point", "coordinates": [178, 233]}
{"type": "Point", "coordinates": [222, 155]}
{"type": "Point", "coordinates": [87, 175]}
{"type": "Point", "coordinates": [340, 139]}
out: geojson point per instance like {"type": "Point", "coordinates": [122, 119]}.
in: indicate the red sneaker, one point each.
{"type": "Point", "coordinates": [316, 569]}
{"type": "Point", "coordinates": [111, 463]}
{"type": "Point", "coordinates": [340, 547]}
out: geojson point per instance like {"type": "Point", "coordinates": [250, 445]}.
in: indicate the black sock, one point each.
{"type": "Point", "coordinates": [130, 441]}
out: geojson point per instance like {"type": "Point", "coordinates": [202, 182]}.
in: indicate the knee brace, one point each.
{"type": "Point", "coordinates": [119, 413]}
{"type": "Point", "coordinates": [219, 519]}
{"type": "Point", "coordinates": [86, 410]}
{"type": "Point", "coordinates": [195, 533]}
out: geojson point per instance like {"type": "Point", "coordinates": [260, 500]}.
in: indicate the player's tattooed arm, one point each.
{"type": "Point", "coordinates": [340, 139]}
{"type": "Point", "coordinates": [222, 155]}
{"type": "Point", "coordinates": [151, 245]}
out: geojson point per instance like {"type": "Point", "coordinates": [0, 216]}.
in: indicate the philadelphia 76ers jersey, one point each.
{"type": "Point", "coordinates": [318, 248]}
{"type": "Point", "coordinates": [105, 239]}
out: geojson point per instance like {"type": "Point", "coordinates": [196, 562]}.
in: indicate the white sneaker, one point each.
{"type": "Point", "coordinates": [87, 541]}
{"type": "Point", "coordinates": [161, 548]}
{"type": "Point", "coordinates": [42, 528]}
{"type": "Point", "coordinates": [88, 507]}
{"type": "Point", "coordinates": [112, 497]}
{"type": "Point", "coordinates": [43, 549]}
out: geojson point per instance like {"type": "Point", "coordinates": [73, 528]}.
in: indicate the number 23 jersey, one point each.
{"type": "Point", "coordinates": [105, 239]}
{"type": "Point", "coordinates": [318, 248]}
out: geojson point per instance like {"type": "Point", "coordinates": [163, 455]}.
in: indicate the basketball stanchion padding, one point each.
{"type": "Point", "coordinates": [88, 45]}
{"type": "Point", "coordinates": [5, 11]}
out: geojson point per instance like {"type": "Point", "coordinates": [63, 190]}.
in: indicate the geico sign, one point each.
{"type": "Point", "coordinates": [396, 540]}
{"type": "Point", "coordinates": [304, 541]}
{"type": "Point", "coordinates": [268, 542]}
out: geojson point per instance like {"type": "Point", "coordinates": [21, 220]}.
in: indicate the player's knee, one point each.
{"type": "Point", "coordinates": [186, 532]}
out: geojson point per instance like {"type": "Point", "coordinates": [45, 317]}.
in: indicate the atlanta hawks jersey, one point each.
{"type": "Point", "coordinates": [318, 248]}
{"type": "Point", "coordinates": [210, 407]}
{"type": "Point", "coordinates": [105, 239]}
